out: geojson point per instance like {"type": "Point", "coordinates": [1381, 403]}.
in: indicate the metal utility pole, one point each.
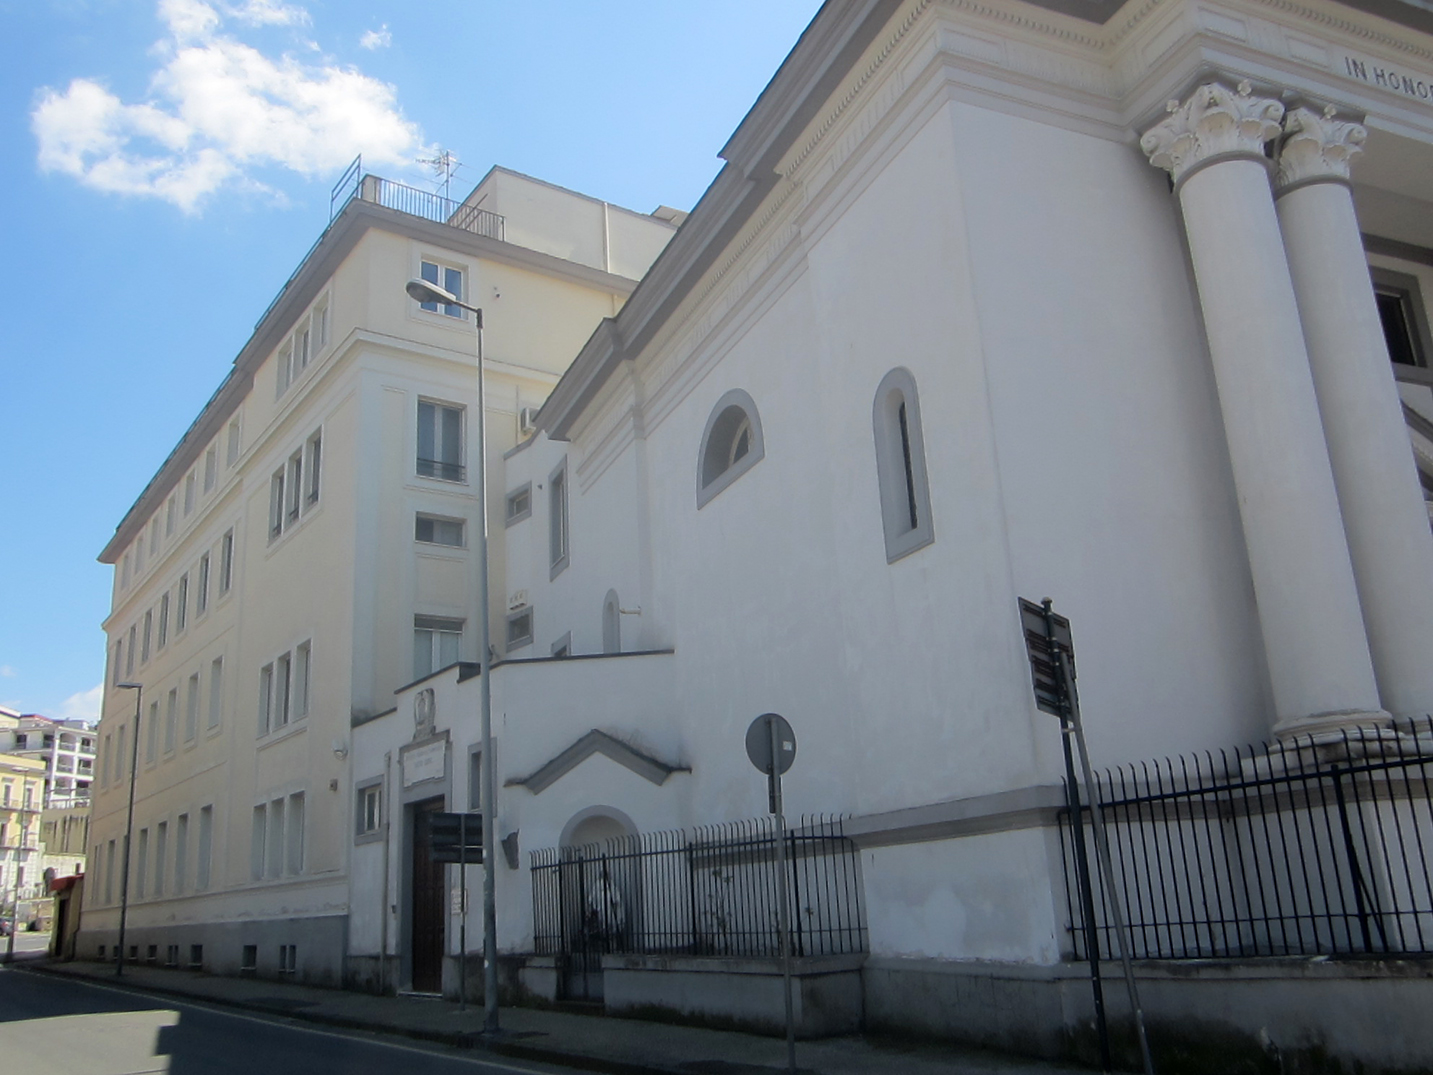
{"type": "Point", "coordinates": [138, 689]}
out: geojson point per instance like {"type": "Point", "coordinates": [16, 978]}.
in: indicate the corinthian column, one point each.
{"type": "Point", "coordinates": [1319, 666]}
{"type": "Point", "coordinates": [1373, 468]}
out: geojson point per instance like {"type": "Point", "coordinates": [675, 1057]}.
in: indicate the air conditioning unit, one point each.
{"type": "Point", "coordinates": [527, 420]}
{"type": "Point", "coordinates": [517, 600]}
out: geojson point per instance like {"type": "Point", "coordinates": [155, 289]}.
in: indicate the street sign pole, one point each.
{"type": "Point", "coordinates": [783, 912]}
{"type": "Point", "coordinates": [771, 746]}
{"type": "Point", "coordinates": [463, 912]}
{"type": "Point", "coordinates": [1050, 647]}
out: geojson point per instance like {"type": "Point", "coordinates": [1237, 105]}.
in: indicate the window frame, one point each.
{"type": "Point", "coordinates": [709, 486]}
{"type": "Point", "coordinates": [516, 616]}
{"type": "Point", "coordinates": [1406, 288]}
{"type": "Point", "coordinates": [361, 791]}
{"type": "Point", "coordinates": [559, 521]}
{"type": "Point", "coordinates": [511, 517]}
{"type": "Point", "coordinates": [429, 517]}
{"type": "Point", "coordinates": [439, 278]}
{"type": "Point", "coordinates": [459, 467]}
{"type": "Point", "coordinates": [433, 626]}
{"type": "Point", "coordinates": [901, 476]}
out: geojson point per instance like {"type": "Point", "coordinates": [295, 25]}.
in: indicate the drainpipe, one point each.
{"type": "Point", "coordinates": [383, 918]}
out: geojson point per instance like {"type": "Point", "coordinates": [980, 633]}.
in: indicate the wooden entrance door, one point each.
{"type": "Point", "coordinates": [429, 891]}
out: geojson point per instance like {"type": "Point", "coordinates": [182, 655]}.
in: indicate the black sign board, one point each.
{"type": "Point", "coordinates": [456, 838]}
{"type": "Point", "coordinates": [1047, 633]}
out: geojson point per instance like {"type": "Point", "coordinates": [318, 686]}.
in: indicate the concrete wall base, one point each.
{"type": "Point", "coordinates": [744, 993]}
{"type": "Point", "coordinates": [319, 942]}
{"type": "Point", "coordinates": [1281, 1016]}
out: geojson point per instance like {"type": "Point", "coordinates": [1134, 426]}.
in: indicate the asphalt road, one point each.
{"type": "Point", "coordinates": [66, 1027]}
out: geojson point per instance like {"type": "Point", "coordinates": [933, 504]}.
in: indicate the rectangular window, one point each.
{"type": "Point", "coordinates": [151, 741]}
{"type": "Point", "coordinates": [205, 850]}
{"type": "Point", "coordinates": [320, 327]}
{"type": "Point", "coordinates": [315, 457]}
{"type": "Point", "coordinates": [171, 512]}
{"type": "Point", "coordinates": [519, 629]}
{"type": "Point", "coordinates": [303, 658]}
{"type": "Point", "coordinates": [295, 834]}
{"type": "Point", "coordinates": [436, 642]}
{"type": "Point", "coordinates": [201, 599]}
{"type": "Point", "coordinates": [519, 504]}
{"type": "Point", "coordinates": [257, 853]}
{"type": "Point", "coordinates": [440, 441]}
{"type": "Point", "coordinates": [211, 467]}
{"type": "Point", "coordinates": [129, 651]}
{"type": "Point", "coordinates": [301, 348]}
{"type": "Point", "coordinates": [226, 562]}
{"type": "Point", "coordinates": [295, 488]}
{"type": "Point", "coordinates": [189, 484]}
{"type": "Point", "coordinates": [161, 856]}
{"type": "Point", "coordinates": [125, 571]}
{"type": "Point", "coordinates": [117, 664]}
{"type": "Point", "coordinates": [142, 864]}
{"type": "Point", "coordinates": [370, 809]}
{"type": "Point", "coordinates": [475, 780]}
{"type": "Point", "coordinates": [232, 455]}
{"type": "Point", "coordinates": [275, 840]}
{"type": "Point", "coordinates": [449, 279]}
{"type": "Point", "coordinates": [171, 719]}
{"type": "Point", "coordinates": [181, 604]}
{"type": "Point", "coordinates": [288, 960]}
{"type": "Point", "coordinates": [283, 371]}
{"type": "Point", "coordinates": [109, 873]}
{"type": "Point", "coordinates": [164, 619]}
{"type": "Point", "coordinates": [276, 504]}
{"type": "Point", "coordinates": [154, 537]}
{"type": "Point", "coordinates": [249, 960]}
{"type": "Point", "coordinates": [216, 691]}
{"type": "Point", "coordinates": [266, 698]}
{"type": "Point", "coordinates": [557, 535]}
{"type": "Point", "coordinates": [191, 709]}
{"type": "Point", "coordinates": [283, 688]}
{"type": "Point", "coordinates": [148, 630]}
{"type": "Point", "coordinates": [181, 852]}
{"type": "Point", "coordinates": [437, 530]}
{"type": "Point", "coordinates": [119, 757]}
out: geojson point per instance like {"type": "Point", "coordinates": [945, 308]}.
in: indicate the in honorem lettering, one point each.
{"type": "Point", "coordinates": [1389, 79]}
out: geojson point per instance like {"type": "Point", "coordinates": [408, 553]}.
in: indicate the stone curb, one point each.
{"type": "Point", "coordinates": [458, 1039]}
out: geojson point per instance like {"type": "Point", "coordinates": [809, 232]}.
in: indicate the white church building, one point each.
{"type": "Point", "coordinates": [1124, 305]}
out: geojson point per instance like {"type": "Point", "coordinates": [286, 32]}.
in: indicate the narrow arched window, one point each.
{"type": "Point", "coordinates": [900, 466]}
{"type": "Point", "coordinates": [731, 444]}
{"type": "Point", "coordinates": [611, 623]}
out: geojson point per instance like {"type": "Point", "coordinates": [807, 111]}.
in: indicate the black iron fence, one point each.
{"type": "Point", "coordinates": [1314, 846]}
{"type": "Point", "coordinates": [430, 206]}
{"type": "Point", "coordinates": [713, 892]}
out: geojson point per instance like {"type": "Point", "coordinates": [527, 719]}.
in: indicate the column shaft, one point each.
{"type": "Point", "coordinates": [1303, 580]}
{"type": "Point", "coordinates": [1378, 490]}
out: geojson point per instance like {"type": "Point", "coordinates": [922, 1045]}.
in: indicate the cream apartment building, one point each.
{"type": "Point", "coordinates": [305, 550]}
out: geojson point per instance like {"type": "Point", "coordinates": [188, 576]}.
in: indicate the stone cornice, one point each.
{"type": "Point", "coordinates": [1317, 148]}
{"type": "Point", "coordinates": [1214, 123]}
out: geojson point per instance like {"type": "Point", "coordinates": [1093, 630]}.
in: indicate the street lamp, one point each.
{"type": "Point", "coordinates": [423, 291]}
{"type": "Point", "coordinates": [138, 689]}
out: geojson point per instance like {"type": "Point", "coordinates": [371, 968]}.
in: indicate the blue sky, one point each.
{"type": "Point", "coordinates": [166, 164]}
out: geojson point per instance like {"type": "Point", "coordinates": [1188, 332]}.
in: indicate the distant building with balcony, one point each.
{"type": "Point", "coordinates": [67, 748]}
{"type": "Point", "coordinates": [308, 548]}
{"type": "Point", "coordinates": [22, 790]}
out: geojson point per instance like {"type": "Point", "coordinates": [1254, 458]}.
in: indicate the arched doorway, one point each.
{"type": "Point", "coordinates": [597, 895]}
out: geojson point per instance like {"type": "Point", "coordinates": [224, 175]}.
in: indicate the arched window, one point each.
{"type": "Point", "coordinates": [731, 444]}
{"type": "Point", "coordinates": [611, 623]}
{"type": "Point", "coordinates": [900, 465]}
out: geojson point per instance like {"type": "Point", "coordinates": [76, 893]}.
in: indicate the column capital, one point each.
{"type": "Point", "coordinates": [1214, 123]}
{"type": "Point", "coordinates": [1317, 148]}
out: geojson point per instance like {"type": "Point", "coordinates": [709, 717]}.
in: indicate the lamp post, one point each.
{"type": "Point", "coordinates": [138, 689]}
{"type": "Point", "coordinates": [423, 291]}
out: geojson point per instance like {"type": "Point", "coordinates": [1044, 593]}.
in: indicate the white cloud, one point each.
{"type": "Point", "coordinates": [7, 671]}
{"type": "Point", "coordinates": [376, 39]}
{"type": "Point", "coordinates": [216, 108]}
{"type": "Point", "coordinates": [83, 706]}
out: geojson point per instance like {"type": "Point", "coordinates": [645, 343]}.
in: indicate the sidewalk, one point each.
{"type": "Point", "coordinates": [593, 1042]}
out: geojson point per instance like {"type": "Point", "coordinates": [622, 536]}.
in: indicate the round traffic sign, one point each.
{"type": "Point", "coordinates": [758, 743]}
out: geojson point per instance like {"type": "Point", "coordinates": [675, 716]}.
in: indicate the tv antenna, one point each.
{"type": "Point", "coordinates": [445, 166]}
